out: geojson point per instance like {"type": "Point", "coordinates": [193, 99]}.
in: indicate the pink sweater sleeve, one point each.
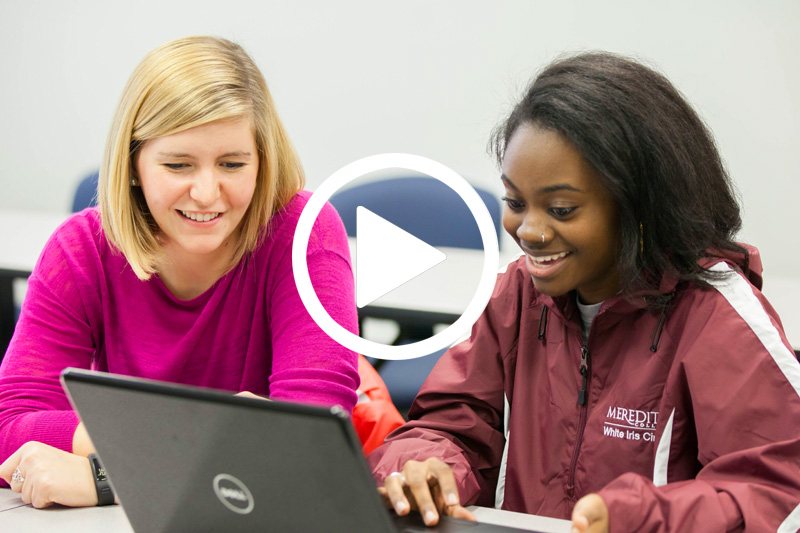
{"type": "Point", "coordinates": [52, 333]}
{"type": "Point", "coordinates": [308, 366]}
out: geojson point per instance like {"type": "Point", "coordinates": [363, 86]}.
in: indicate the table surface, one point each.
{"type": "Point", "coordinates": [18, 517]}
{"type": "Point", "coordinates": [446, 288]}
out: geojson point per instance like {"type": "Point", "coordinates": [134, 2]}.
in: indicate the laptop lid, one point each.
{"type": "Point", "coordinates": [183, 458]}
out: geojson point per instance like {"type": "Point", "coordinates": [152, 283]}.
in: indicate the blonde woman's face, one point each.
{"type": "Point", "coordinates": [198, 184]}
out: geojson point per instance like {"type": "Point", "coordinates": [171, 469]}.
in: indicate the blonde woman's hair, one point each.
{"type": "Point", "coordinates": [182, 84]}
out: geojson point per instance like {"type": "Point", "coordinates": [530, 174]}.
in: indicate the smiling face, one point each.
{"type": "Point", "coordinates": [198, 184]}
{"type": "Point", "coordinates": [552, 191]}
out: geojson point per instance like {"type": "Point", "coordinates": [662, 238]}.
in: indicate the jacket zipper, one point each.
{"type": "Point", "coordinates": [584, 370]}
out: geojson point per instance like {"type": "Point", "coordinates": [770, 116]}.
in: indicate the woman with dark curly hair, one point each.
{"type": "Point", "coordinates": [627, 373]}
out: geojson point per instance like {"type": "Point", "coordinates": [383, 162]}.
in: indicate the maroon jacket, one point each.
{"type": "Point", "coordinates": [690, 419]}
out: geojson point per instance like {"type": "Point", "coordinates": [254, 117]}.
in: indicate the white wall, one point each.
{"type": "Point", "coordinates": [431, 77]}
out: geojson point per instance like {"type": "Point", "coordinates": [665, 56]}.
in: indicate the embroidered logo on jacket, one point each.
{"type": "Point", "coordinates": [630, 424]}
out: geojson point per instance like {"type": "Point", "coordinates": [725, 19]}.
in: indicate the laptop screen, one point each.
{"type": "Point", "coordinates": [188, 459]}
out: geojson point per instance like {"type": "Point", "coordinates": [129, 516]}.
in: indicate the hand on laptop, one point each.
{"type": "Point", "coordinates": [429, 487]}
{"type": "Point", "coordinates": [44, 475]}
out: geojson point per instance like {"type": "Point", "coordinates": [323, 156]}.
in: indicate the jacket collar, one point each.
{"type": "Point", "coordinates": [566, 304]}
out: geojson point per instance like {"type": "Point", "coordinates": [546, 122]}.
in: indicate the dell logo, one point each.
{"type": "Point", "coordinates": [233, 494]}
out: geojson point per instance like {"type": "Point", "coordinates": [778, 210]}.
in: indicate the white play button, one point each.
{"type": "Point", "coordinates": [376, 274]}
{"type": "Point", "coordinates": [387, 257]}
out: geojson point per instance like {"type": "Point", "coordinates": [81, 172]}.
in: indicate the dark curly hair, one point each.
{"type": "Point", "coordinates": [652, 152]}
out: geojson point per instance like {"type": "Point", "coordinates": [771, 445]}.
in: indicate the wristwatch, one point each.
{"type": "Point", "coordinates": [105, 494]}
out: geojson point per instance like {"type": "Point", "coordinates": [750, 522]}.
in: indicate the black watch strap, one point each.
{"type": "Point", "coordinates": [105, 494]}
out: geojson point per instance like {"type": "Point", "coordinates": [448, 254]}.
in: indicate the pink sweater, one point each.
{"type": "Point", "coordinates": [249, 332]}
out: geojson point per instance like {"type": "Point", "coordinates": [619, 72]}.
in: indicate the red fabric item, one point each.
{"type": "Point", "coordinates": [374, 416]}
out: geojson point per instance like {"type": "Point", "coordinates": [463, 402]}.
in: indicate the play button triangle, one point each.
{"type": "Point", "coordinates": [387, 257]}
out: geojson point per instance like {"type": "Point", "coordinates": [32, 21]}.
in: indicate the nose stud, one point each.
{"type": "Point", "coordinates": [542, 237]}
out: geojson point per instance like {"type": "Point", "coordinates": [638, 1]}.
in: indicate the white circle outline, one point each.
{"type": "Point", "coordinates": [429, 167]}
{"type": "Point", "coordinates": [250, 502]}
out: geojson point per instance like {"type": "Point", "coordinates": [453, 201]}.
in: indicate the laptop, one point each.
{"type": "Point", "coordinates": [184, 458]}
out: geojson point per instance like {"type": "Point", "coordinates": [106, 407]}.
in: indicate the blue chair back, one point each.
{"type": "Point", "coordinates": [424, 207]}
{"type": "Point", "coordinates": [86, 193]}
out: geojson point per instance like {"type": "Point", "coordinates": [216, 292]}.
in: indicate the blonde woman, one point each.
{"type": "Point", "coordinates": [183, 274]}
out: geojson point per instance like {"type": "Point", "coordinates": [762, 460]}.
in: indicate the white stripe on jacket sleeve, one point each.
{"type": "Point", "coordinates": [740, 295]}
{"type": "Point", "coordinates": [792, 522]}
{"type": "Point", "coordinates": [662, 454]}
{"type": "Point", "coordinates": [500, 493]}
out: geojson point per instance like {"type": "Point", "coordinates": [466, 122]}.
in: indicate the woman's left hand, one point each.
{"type": "Point", "coordinates": [49, 476]}
{"type": "Point", "coordinates": [590, 515]}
